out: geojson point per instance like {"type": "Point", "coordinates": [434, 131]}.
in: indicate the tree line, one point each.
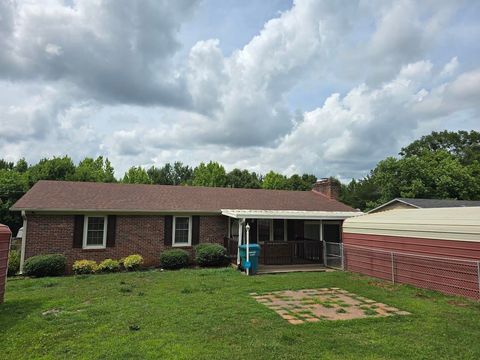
{"type": "Point", "coordinates": [17, 178]}
{"type": "Point", "coordinates": [442, 165]}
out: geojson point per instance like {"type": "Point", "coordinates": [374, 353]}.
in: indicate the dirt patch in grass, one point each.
{"type": "Point", "coordinates": [458, 303]}
{"type": "Point", "coordinates": [382, 284]}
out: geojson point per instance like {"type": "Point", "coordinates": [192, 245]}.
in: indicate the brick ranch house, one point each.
{"type": "Point", "coordinates": [97, 220]}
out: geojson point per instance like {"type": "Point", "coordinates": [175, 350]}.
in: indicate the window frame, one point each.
{"type": "Point", "coordinates": [174, 231]}
{"type": "Point", "coordinates": [85, 232]}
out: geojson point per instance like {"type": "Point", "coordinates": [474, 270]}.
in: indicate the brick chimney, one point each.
{"type": "Point", "coordinates": [327, 187]}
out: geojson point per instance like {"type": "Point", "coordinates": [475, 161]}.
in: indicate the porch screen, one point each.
{"type": "Point", "coordinates": [312, 230]}
{"type": "Point", "coordinates": [332, 232]}
{"type": "Point", "coordinates": [278, 230]}
{"type": "Point", "coordinates": [234, 229]}
{"type": "Point", "coordinates": [263, 230]}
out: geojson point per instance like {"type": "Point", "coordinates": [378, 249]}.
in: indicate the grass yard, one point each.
{"type": "Point", "coordinates": [210, 314]}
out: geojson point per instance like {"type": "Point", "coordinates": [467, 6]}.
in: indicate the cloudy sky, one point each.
{"type": "Point", "coordinates": [325, 87]}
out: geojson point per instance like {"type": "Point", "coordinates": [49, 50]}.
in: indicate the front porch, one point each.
{"type": "Point", "coordinates": [294, 239]}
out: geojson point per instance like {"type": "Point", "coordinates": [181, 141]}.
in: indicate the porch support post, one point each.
{"type": "Point", "coordinates": [324, 244]}
{"type": "Point", "coordinates": [24, 241]}
{"type": "Point", "coordinates": [240, 234]}
{"type": "Point", "coordinates": [248, 248]}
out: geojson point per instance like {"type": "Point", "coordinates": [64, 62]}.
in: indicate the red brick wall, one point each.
{"type": "Point", "coordinates": [213, 229]}
{"type": "Point", "coordinates": [144, 235]}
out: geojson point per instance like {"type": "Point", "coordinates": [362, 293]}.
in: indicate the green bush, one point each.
{"type": "Point", "coordinates": [109, 265]}
{"type": "Point", "coordinates": [13, 263]}
{"type": "Point", "coordinates": [174, 259]}
{"type": "Point", "coordinates": [210, 255]}
{"type": "Point", "coordinates": [81, 267]}
{"type": "Point", "coordinates": [45, 265]}
{"type": "Point", "coordinates": [133, 262]}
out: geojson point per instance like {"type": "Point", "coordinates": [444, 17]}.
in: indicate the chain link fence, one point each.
{"type": "Point", "coordinates": [448, 275]}
{"type": "Point", "coordinates": [333, 255]}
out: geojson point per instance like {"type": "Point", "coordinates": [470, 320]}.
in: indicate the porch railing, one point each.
{"type": "Point", "coordinates": [232, 247]}
{"type": "Point", "coordinates": [291, 252]}
{"type": "Point", "coordinates": [282, 253]}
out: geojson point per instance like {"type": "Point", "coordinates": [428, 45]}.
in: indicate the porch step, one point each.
{"type": "Point", "coordinates": [279, 269]}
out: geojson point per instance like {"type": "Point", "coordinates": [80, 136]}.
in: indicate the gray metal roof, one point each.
{"type": "Point", "coordinates": [438, 203]}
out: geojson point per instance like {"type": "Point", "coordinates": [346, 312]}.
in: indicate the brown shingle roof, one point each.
{"type": "Point", "coordinates": [68, 195]}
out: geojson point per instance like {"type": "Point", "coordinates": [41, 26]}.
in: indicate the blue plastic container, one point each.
{"type": "Point", "coordinates": [254, 253]}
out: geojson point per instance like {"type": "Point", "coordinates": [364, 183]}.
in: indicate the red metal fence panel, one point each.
{"type": "Point", "coordinates": [5, 236]}
{"type": "Point", "coordinates": [448, 275]}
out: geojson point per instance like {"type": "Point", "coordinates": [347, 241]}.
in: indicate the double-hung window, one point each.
{"type": "Point", "coordinates": [182, 231]}
{"type": "Point", "coordinates": [95, 232]}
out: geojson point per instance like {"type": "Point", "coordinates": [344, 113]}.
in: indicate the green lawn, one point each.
{"type": "Point", "coordinates": [209, 314]}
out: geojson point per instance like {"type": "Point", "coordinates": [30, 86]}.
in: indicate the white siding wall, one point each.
{"type": "Point", "coordinates": [462, 223]}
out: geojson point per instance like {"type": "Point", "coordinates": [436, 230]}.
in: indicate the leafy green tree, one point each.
{"type": "Point", "coordinates": [302, 183]}
{"type": "Point", "coordinates": [6, 165]}
{"type": "Point", "coordinates": [182, 174]}
{"type": "Point", "coordinates": [309, 179]}
{"type": "Point", "coordinates": [136, 175]}
{"type": "Point", "coordinates": [176, 174]}
{"type": "Point", "coordinates": [243, 179]}
{"type": "Point", "coordinates": [436, 175]}
{"type": "Point", "coordinates": [163, 176]}
{"type": "Point", "coordinates": [462, 145]}
{"type": "Point", "coordinates": [442, 165]}
{"type": "Point", "coordinates": [57, 168]}
{"type": "Point", "coordinates": [94, 170]}
{"type": "Point", "coordinates": [21, 165]}
{"type": "Point", "coordinates": [275, 180]}
{"type": "Point", "coordinates": [12, 187]}
{"type": "Point", "coordinates": [360, 193]}
{"type": "Point", "coordinates": [211, 174]}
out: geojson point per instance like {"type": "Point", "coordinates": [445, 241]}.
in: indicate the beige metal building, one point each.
{"type": "Point", "coordinates": [406, 203]}
{"type": "Point", "coordinates": [437, 248]}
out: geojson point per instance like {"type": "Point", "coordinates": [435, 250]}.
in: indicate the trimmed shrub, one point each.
{"type": "Point", "coordinates": [174, 259]}
{"type": "Point", "coordinates": [81, 267]}
{"type": "Point", "coordinates": [45, 265]}
{"type": "Point", "coordinates": [13, 263]}
{"type": "Point", "coordinates": [109, 265]}
{"type": "Point", "coordinates": [133, 262]}
{"type": "Point", "coordinates": [210, 255]}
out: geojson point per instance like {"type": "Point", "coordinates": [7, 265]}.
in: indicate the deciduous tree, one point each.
{"type": "Point", "coordinates": [211, 174]}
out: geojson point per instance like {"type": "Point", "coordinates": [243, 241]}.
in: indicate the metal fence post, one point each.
{"type": "Point", "coordinates": [342, 257]}
{"type": "Point", "coordinates": [478, 276]}
{"type": "Point", "coordinates": [393, 266]}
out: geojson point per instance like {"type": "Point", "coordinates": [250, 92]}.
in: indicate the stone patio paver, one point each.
{"type": "Point", "coordinates": [313, 305]}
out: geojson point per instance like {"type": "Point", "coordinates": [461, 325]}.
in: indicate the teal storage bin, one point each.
{"type": "Point", "coordinates": [254, 253]}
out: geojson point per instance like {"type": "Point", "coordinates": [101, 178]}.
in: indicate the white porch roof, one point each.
{"type": "Point", "coordinates": [289, 214]}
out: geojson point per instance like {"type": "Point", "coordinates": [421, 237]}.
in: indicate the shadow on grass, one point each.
{"type": "Point", "coordinates": [13, 311]}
